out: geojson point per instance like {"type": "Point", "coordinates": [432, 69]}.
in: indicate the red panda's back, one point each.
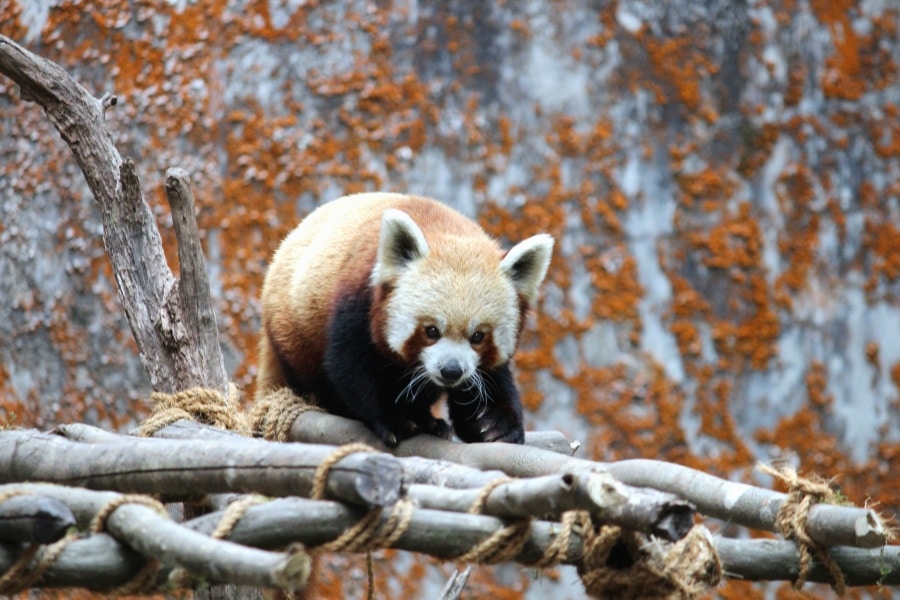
{"type": "Point", "coordinates": [331, 253]}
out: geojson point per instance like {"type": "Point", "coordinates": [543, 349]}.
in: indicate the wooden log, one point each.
{"type": "Point", "coordinates": [100, 562]}
{"type": "Point", "coordinates": [778, 560]}
{"type": "Point", "coordinates": [548, 497]}
{"type": "Point", "coordinates": [211, 560]}
{"type": "Point", "coordinates": [314, 427]}
{"type": "Point", "coordinates": [739, 503]}
{"type": "Point", "coordinates": [34, 519]}
{"type": "Point", "coordinates": [751, 506]}
{"type": "Point", "coordinates": [185, 467]}
{"type": "Point", "coordinates": [154, 535]}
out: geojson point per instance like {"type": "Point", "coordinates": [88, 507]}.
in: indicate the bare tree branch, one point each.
{"type": "Point", "coordinates": [156, 536]}
{"type": "Point", "coordinates": [739, 503]}
{"type": "Point", "coordinates": [175, 358]}
{"type": "Point", "coordinates": [777, 560]}
{"type": "Point", "coordinates": [34, 519]}
{"type": "Point", "coordinates": [183, 468]}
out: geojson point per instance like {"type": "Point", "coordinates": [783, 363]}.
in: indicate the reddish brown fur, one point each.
{"type": "Point", "coordinates": [299, 298]}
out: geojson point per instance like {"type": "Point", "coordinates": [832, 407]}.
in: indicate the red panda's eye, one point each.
{"type": "Point", "coordinates": [477, 337]}
{"type": "Point", "coordinates": [432, 332]}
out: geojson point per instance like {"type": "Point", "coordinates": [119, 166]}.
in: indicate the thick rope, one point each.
{"type": "Point", "coordinates": [234, 513]}
{"type": "Point", "coordinates": [557, 551]}
{"type": "Point", "coordinates": [625, 564]}
{"type": "Point", "coordinates": [98, 523]}
{"type": "Point", "coordinates": [792, 519]}
{"type": "Point", "coordinates": [502, 545]}
{"type": "Point", "coordinates": [17, 578]}
{"type": "Point", "coordinates": [275, 411]}
{"type": "Point", "coordinates": [320, 477]}
{"type": "Point", "coordinates": [196, 404]}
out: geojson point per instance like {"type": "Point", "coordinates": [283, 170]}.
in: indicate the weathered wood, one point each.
{"type": "Point", "coordinates": [751, 506]}
{"type": "Point", "coordinates": [179, 468]}
{"type": "Point", "coordinates": [176, 357]}
{"type": "Point", "coordinates": [99, 562]}
{"type": "Point", "coordinates": [155, 535]}
{"type": "Point", "coordinates": [199, 361]}
{"type": "Point", "coordinates": [739, 503]}
{"type": "Point", "coordinates": [777, 560]}
{"type": "Point", "coordinates": [314, 427]}
{"type": "Point", "coordinates": [456, 584]}
{"type": "Point", "coordinates": [34, 519]}
{"type": "Point", "coordinates": [639, 509]}
{"type": "Point", "coordinates": [211, 560]}
{"type": "Point", "coordinates": [436, 533]}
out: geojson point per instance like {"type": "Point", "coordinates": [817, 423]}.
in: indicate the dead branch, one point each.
{"type": "Point", "coordinates": [156, 536]}
{"type": "Point", "coordinates": [193, 467]}
{"type": "Point", "coordinates": [638, 509]}
{"type": "Point", "coordinates": [774, 560]}
{"type": "Point", "coordinates": [739, 503]}
{"type": "Point", "coordinates": [455, 585]}
{"type": "Point", "coordinates": [34, 519]}
{"type": "Point", "coordinates": [428, 480]}
{"type": "Point", "coordinates": [751, 506]}
{"type": "Point", "coordinates": [172, 321]}
{"type": "Point", "coordinates": [100, 562]}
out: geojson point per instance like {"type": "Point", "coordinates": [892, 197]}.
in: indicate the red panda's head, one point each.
{"type": "Point", "coordinates": [453, 303]}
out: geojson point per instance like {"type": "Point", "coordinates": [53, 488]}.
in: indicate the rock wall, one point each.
{"type": "Point", "coordinates": [721, 177]}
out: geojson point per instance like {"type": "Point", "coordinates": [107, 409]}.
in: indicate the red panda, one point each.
{"type": "Point", "coordinates": [381, 304]}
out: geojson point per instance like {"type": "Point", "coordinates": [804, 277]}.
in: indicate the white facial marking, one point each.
{"type": "Point", "coordinates": [446, 352]}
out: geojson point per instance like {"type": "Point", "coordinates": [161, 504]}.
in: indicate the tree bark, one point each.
{"type": "Point", "coordinates": [172, 321]}
{"type": "Point", "coordinates": [194, 468]}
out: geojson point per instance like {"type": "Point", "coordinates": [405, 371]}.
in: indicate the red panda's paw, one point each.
{"type": "Point", "coordinates": [504, 432]}
{"type": "Point", "coordinates": [388, 437]}
{"type": "Point", "coordinates": [427, 424]}
{"type": "Point", "coordinates": [495, 427]}
{"type": "Point", "coordinates": [440, 428]}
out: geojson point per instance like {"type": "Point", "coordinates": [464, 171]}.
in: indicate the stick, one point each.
{"type": "Point", "coordinates": [455, 585]}
{"type": "Point", "coordinates": [196, 340]}
{"type": "Point", "coordinates": [739, 503]}
{"type": "Point", "coordinates": [156, 536]}
{"type": "Point", "coordinates": [29, 518]}
{"type": "Point", "coordinates": [640, 509]}
{"type": "Point", "coordinates": [197, 467]}
{"type": "Point", "coordinates": [770, 560]}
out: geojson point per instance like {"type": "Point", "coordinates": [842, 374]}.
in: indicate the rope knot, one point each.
{"type": "Point", "coordinates": [792, 518]}
{"type": "Point", "coordinates": [203, 405]}
{"type": "Point", "coordinates": [275, 411]}
{"type": "Point", "coordinates": [617, 563]}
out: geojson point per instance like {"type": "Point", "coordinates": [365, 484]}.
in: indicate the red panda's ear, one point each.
{"type": "Point", "coordinates": [400, 243]}
{"type": "Point", "coordinates": [526, 264]}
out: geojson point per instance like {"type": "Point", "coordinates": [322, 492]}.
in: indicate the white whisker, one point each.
{"type": "Point", "coordinates": [417, 381]}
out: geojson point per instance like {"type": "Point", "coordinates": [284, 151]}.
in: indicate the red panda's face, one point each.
{"type": "Point", "coordinates": [456, 303]}
{"type": "Point", "coordinates": [452, 319]}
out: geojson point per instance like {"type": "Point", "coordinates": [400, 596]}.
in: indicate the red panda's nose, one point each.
{"type": "Point", "coordinates": [451, 371]}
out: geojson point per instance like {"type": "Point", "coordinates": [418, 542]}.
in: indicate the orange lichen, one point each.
{"type": "Point", "coordinates": [881, 237]}
{"type": "Point", "coordinates": [676, 63]}
{"type": "Point", "coordinates": [635, 414]}
{"type": "Point", "coordinates": [363, 108]}
{"type": "Point", "coordinates": [859, 63]}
